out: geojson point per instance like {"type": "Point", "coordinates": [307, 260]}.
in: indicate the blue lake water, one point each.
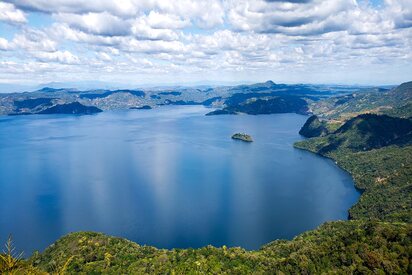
{"type": "Point", "coordinates": [168, 177]}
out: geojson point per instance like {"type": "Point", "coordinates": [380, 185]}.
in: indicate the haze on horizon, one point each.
{"type": "Point", "coordinates": [187, 41]}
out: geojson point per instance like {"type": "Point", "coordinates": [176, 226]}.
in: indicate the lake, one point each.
{"type": "Point", "coordinates": [167, 177]}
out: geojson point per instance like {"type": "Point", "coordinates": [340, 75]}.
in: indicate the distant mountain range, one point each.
{"type": "Point", "coordinates": [259, 98]}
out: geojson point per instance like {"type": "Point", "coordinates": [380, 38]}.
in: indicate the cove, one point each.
{"type": "Point", "coordinates": [170, 177]}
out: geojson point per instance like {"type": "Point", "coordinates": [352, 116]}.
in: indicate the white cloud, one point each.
{"type": "Point", "coordinates": [251, 38]}
{"type": "Point", "coordinates": [121, 8]}
{"type": "Point", "coordinates": [63, 31]}
{"type": "Point", "coordinates": [152, 47]}
{"type": "Point", "coordinates": [104, 57]}
{"type": "Point", "coordinates": [205, 13]}
{"type": "Point", "coordinates": [401, 12]}
{"type": "Point", "coordinates": [298, 18]}
{"type": "Point", "coordinates": [34, 40]}
{"type": "Point", "coordinates": [4, 44]}
{"type": "Point", "coordinates": [10, 14]}
{"type": "Point", "coordinates": [96, 23]}
{"type": "Point", "coordinates": [158, 20]}
{"type": "Point", "coordinates": [64, 57]}
{"type": "Point", "coordinates": [142, 30]}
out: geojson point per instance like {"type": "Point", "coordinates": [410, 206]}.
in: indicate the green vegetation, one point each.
{"type": "Point", "coordinates": [378, 102]}
{"type": "Point", "coordinates": [363, 133]}
{"type": "Point", "coordinates": [404, 111]}
{"type": "Point", "coordinates": [335, 247]}
{"type": "Point", "coordinates": [243, 137]}
{"type": "Point", "coordinates": [314, 127]}
{"type": "Point", "coordinates": [377, 151]}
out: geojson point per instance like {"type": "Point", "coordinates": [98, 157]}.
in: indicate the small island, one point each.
{"type": "Point", "coordinates": [242, 137]}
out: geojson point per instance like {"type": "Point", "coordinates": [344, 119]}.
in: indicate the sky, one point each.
{"type": "Point", "coordinates": [140, 42]}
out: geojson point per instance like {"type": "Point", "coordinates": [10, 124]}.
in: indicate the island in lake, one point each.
{"type": "Point", "coordinates": [243, 137]}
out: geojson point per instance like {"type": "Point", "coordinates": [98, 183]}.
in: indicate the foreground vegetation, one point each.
{"type": "Point", "coordinates": [375, 149]}
{"type": "Point", "coordinates": [335, 247]}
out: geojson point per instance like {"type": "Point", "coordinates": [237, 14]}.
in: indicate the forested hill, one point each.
{"type": "Point", "coordinates": [363, 132]}
{"type": "Point", "coordinates": [395, 102]}
{"type": "Point", "coordinates": [376, 150]}
{"type": "Point", "coordinates": [351, 247]}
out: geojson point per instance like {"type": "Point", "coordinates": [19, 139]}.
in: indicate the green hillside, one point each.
{"type": "Point", "coordinates": [335, 247]}
{"type": "Point", "coordinates": [377, 151]}
{"type": "Point", "coordinates": [314, 127]}
{"type": "Point", "coordinates": [347, 106]}
{"type": "Point", "coordinates": [365, 132]}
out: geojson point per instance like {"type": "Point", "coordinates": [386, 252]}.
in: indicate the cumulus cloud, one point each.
{"type": "Point", "coordinates": [125, 7]}
{"type": "Point", "coordinates": [34, 40]}
{"type": "Point", "coordinates": [206, 13]}
{"type": "Point", "coordinates": [96, 23]}
{"type": "Point", "coordinates": [64, 57]}
{"type": "Point", "coordinates": [158, 20]}
{"type": "Point", "coordinates": [291, 17]}
{"type": "Point", "coordinates": [401, 11]}
{"type": "Point", "coordinates": [157, 26]}
{"type": "Point", "coordinates": [144, 32]}
{"type": "Point", "coordinates": [152, 47]}
{"type": "Point", "coordinates": [4, 44]}
{"type": "Point", "coordinates": [189, 37]}
{"type": "Point", "coordinates": [9, 14]}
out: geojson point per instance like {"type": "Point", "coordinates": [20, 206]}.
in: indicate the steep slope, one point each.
{"type": "Point", "coordinates": [313, 127]}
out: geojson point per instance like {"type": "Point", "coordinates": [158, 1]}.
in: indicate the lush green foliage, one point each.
{"type": "Point", "coordinates": [351, 247]}
{"type": "Point", "coordinates": [365, 132]}
{"type": "Point", "coordinates": [335, 247]}
{"type": "Point", "coordinates": [314, 127]}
